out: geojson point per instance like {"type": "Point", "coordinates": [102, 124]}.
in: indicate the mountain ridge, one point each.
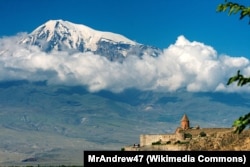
{"type": "Point", "coordinates": [62, 35]}
{"type": "Point", "coordinates": [77, 30]}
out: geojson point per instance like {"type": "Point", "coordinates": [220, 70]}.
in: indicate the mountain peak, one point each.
{"type": "Point", "coordinates": [63, 35]}
{"type": "Point", "coordinates": [73, 36]}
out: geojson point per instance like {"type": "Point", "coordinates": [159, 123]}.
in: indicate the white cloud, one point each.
{"type": "Point", "coordinates": [193, 66]}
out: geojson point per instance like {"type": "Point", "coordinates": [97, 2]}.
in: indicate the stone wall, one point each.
{"type": "Point", "coordinates": [170, 147]}
{"type": "Point", "coordinates": [150, 138]}
{"type": "Point", "coordinates": [208, 131]}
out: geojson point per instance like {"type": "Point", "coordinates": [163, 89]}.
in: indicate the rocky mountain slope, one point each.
{"type": "Point", "coordinates": [222, 141]}
{"type": "Point", "coordinates": [62, 35]}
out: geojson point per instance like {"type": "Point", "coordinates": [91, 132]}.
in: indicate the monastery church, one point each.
{"type": "Point", "coordinates": [148, 139]}
{"type": "Point", "coordinates": [182, 134]}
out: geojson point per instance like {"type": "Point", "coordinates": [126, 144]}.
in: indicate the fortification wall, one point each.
{"type": "Point", "coordinates": [170, 147]}
{"type": "Point", "coordinates": [148, 139]}
{"type": "Point", "coordinates": [208, 131]}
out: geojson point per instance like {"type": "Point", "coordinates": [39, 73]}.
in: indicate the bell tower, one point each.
{"type": "Point", "coordinates": [185, 122]}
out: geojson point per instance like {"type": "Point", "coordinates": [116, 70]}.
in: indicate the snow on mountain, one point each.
{"type": "Point", "coordinates": [63, 35]}
{"type": "Point", "coordinates": [74, 35]}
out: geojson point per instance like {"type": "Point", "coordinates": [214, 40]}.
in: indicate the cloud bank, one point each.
{"type": "Point", "coordinates": [184, 65]}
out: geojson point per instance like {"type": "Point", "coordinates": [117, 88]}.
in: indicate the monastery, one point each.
{"type": "Point", "coordinates": [175, 141]}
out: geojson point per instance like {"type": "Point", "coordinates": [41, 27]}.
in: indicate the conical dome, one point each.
{"type": "Point", "coordinates": [184, 118]}
{"type": "Point", "coordinates": [185, 122]}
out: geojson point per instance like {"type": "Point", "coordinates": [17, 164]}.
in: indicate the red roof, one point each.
{"type": "Point", "coordinates": [184, 118]}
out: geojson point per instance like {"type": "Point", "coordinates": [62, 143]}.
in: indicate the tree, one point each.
{"type": "Point", "coordinates": [233, 8]}
{"type": "Point", "coordinates": [241, 123]}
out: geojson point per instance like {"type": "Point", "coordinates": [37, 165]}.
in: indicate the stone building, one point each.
{"type": "Point", "coordinates": [183, 134]}
{"type": "Point", "coordinates": [178, 135]}
{"type": "Point", "coordinates": [185, 122]}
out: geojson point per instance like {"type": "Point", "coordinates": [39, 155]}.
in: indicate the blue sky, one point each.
{"type": "Point", "coordinates": [151, 22]}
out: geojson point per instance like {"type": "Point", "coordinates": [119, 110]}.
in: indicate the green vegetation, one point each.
{"type": "Point", "coordinates": [187, 135]}
{"type": "Point", "coordinates": [177, 142]}
{"type": "Point", "coordinates": [203, 134]}
{"type": "Point", "coordinates": [181, 142]}
{"type": "Point", "coordinates": [157, 143]}
{"type": "Point", "coordinates": [122, 149]}
{"type": "Point", "coordinates": [184, 142]}
{"type": "Point", "coordinates": [233, 8]}
{"type": "Point", "coordinates": [168, 142]}
{"type": "Point", "coordinates": [238, 78]}
{"type": "Point", "coordinates": [241, 123]}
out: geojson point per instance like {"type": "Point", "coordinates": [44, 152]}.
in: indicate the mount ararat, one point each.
{"type": "Point", "coordinates": [66, 36]}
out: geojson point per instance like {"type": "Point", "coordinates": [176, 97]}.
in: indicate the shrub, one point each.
{"type": "Point", "coordinates": [188, 135]}
{"type": "Point", "coordinates": [184, 142]}
{"type": "Point", "coordinates": [203, 134]}
{"type": "Point", "coordinates": [177, 142]}
{"type": "Point", "coordinates": [181, 142]}
{"type": "Point", "coordinates": [156, 143]}
{"type": "Point", "coordinates": [122, 149]}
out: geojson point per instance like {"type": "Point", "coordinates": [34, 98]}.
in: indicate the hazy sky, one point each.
{"type": "Point", "coordinates": [151, 22]}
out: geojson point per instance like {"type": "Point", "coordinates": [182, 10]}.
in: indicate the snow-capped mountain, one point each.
{"type": "Point", "coordinates": [63, 35]}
